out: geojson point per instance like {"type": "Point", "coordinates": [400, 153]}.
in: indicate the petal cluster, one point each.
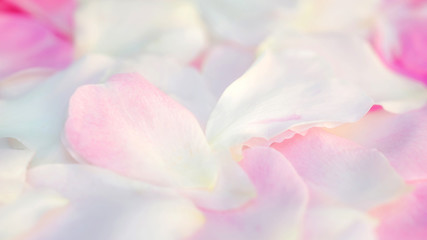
{"type": "Point", "coordinates": [213, 120]}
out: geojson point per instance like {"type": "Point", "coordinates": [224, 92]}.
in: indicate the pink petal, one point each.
{"type": "Point", "coordinates": [401, 37]}
{"type": "Point", "coordinates": [129, 126]}
{"type": "Point", "coordinates": [342, 170]}
{"type": "Point", "coordinates": [277, 211]}
{"type": "Point", "coordinates": [30, 44]}
{"type": "Point", "coordinates": [401, 138]}
{"type": "Point", "coordinates": [406, 218]}
{"type": "Point", "coordinates": [56, 13]}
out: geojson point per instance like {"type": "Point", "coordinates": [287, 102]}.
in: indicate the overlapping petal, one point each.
{"type": "Point", "coordinates": [29, 43]}
{"type": "Point", "coordinates": [276, 212]}
{"type": "Point", "coordinates": [58, 14]}
{"type": "Point", "coordinates": [401, 138]}
{"type": "Point", "coordinates": [342, 170]}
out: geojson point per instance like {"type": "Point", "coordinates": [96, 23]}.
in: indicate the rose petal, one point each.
{"type": "Point", "coordinates": [344, 171]}
{"type": "Point", "coordinates": [400, 37]}
{"type": "Point", "coordinates": [57, 13]}
{"type": "Point", "coordinates": [129, 126]}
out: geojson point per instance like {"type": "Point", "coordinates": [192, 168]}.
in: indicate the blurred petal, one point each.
{"type": "Point", "coordinates": [13, 167]}
{"type": "Point", "coordinates": [30, 44]}
{"type": "Point", "coordinates": [22, 82]}
{"type": "Point", "coordinates": [406, 218]}
{"type": "Point", "coordinates": [22, 217]}
{"type": "Point", "coordinates": [164, 27]}
{"type": "Point", "coordinates": [223, 64]}
{"type": "Point", "coordinates": [359, 177]}
{"type": "Point", "coordinates": [354, 62]}
{"type": "Point", "coordinates": [346, 16]}
{"type": "Point", "coordinates": [106, 206]}
{"type": "Point", "coordinates": [401, 138]}
{"type": "Point", "coordinates": [246, 22]}
{"type": "Point", "coordinates": [57, 13]}
{"type": "Point", "coordinates": [277, 211]}
{"type": "Point", "coordinates": [287, 90]}
{"type": "Point", "coordinates": [130, 127]}
{"type": "Point", "coordinates": [400, 37]}
{"type": "Point", "coordinates": [37, 117]}
{"type": "Point", "coordinates": [232, 189]}
{"type": "Point", "coordinates": [338, 223]}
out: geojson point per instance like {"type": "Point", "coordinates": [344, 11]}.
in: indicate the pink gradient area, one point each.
{"type": "Point", "coordinates": [27, 43]}
{"type": "Point", "coordinates": [405, 218]}
{"type": "Point", "coordinates": [409, 55]}
{"type": "Point", "coordinates": [129, 126]}
{"type": "Point", "coordinates": [7, 7]}
{"type": "Point", "coordinates": [277, 210]}
{"type": "Point", "coordinates": [58, 14]}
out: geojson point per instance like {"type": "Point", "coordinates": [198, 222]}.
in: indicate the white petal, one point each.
{"type": "Point", "coordinates": [279, 92]}
{"type": "Point", "coordinates": [354, 62]}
